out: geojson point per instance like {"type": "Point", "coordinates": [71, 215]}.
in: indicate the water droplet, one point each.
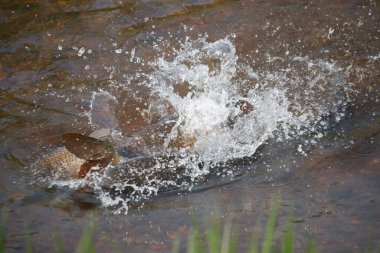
{"type": "Point", "coordinates": [81, 51]}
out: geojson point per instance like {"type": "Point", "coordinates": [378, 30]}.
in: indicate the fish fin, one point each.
{"type": "Point", "coordinates": [84, 169]}
{"type": "Point", "coordinates": [100, 133]}
{"type": "Point", "coordinates": [85, 147]}
{"type": "Point", "coordinates": [87, 166]}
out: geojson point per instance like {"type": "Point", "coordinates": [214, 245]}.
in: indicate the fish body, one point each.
{"type": "Point", "coordinates": [72, 162]}
{"type": "Point", "coordinates": [60, 163]}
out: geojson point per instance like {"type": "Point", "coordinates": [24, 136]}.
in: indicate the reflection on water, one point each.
{"type": "Point", "coordinates": [235, 98]}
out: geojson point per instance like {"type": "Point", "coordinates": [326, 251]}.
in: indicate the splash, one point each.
{"type": "Point", "coordinates": [224, 110]}
{"type": "Point", "coordinates": [225, 119]}
{"type": "Point", "coordinates": [221, 123]}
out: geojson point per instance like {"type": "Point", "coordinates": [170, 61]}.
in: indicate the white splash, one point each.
{"type": "Point", "coordinates": [226, 110]}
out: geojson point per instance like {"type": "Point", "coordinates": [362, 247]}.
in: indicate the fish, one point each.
{"type": "Point", "coordinates": [84, 156]}
{"type": "Point", "coordinates": [130, 160]}
{"type": "Point", "coordinates": [60, 163]}
{"type": "Point", "coordinates": [79, 155]}
{"type": "Point", "coordinates": [95, 152]}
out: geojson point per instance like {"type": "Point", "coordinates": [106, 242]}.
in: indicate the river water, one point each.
{"type": "Point", "coordinates": [214, 107]}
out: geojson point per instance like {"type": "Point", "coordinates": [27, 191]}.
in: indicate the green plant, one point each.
{"type": "Point", "coordinates": [213, 236]}
{"type": "Point", "coordinates": [269, 232]}
{"type": "Point", "coordinates": [176, 245]}
{"type": "Point", "coordinates": [57, 242]}
{"type": "Point", "coordinates": [3, 230]}
{"type": "Point", "coordinates": [226, 240]}
{"type": "Point", "coordinates": [310, 247]}
{"type": "Point", "coordinates": [28, 240]}
{"type": "Point", "coordinates": [288, 240]}
{"type": "Point", "coordinates": [86, 243]}
{"type": "Point", "coordinates": [194, 241]}
{"type": "Point", "coordinates": [217, 238]}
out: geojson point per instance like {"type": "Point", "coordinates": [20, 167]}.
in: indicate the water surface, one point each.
{"type": "Point", "coordinates": [310, 70]}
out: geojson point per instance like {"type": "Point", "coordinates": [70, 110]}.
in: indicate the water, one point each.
{"type": "Point", "coordinates": [221, 103]}
{"type": "Point", "coordinates": [199, 114]}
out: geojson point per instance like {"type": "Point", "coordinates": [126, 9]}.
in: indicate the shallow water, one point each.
{"type": "Point", "coordinates": [310, 70]}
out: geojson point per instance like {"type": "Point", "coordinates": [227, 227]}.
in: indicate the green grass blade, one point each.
{"type": "Point", "coordinates": [213, 237]}
{"type": "Point", "coordinates": [28, 240]}
{"type": "Point", "coordinates": [234, 242]}
{"type": "Point", "coordinates": [271, 223]}
{"type": "Point", "coordinates": [254, 247]}
{"type": "Point", "coordinates": [176, 245]}
{"type": "Point", "coordinates": [194, 245]}
{"type": "Point", "coordinates": [226, 237]}
{"type": "Point", "coordinates": [310, 247]}
{"type": "Point", "coordinates": [86, 243]}
{"type": "Point", "coordinates": [288, 238]}
{"type": "Point", "coordinates": [3, 230]}
{"type": "Point", "coordinates": [276, 249]}
{"type": "Point", "coordinates": [57, 242]}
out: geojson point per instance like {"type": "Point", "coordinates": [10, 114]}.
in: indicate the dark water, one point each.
{"type": "Point", "coordinates": [47, 83]}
